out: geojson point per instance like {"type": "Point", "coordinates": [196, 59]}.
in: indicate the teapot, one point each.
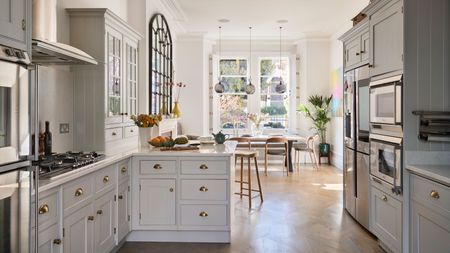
{"type": "Point", "coordinates": [220, 137]}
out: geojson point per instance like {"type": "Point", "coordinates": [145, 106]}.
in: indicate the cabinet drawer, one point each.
{"type": "Point", "coordinates": [74, 193]}
{"type": "Point", "coordinates": [204, 167]}
{"type": "Point", "coordinates": [48, 208]}
{"type": "Point", "coordinates": [124, 170]}
{"type": "Point", "coordinates": [430, 193]}
{"type": "Point", "coordinates": [104, 178]}
{"type": "Point", "coordinates": [203, 189]}
{"type": "Point", "coordinates": [157, 167]}
{"type": "Point", "coordinates": [204, 215]}
{"type": "Point", "coordinates": [131, 131]}
{"type": "Point", "coordinates": [113, 134]}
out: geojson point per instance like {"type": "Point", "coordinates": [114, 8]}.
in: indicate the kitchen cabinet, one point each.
{"type": "Point", "coordinates": [105, 95]}
{"type": "Point", "coordinates": [49, 240]}
{"type": "Point", "coordinates": [123, 210]}
{"type": "Point", "coordinates": [356, 46]}
{"type": "Point", "coordinates": [385, 218]}
{"type": "Point", "coordinates": [157, 202]}
{"type": "Point", "coordinates": [386, 40]}
{"type": "Point", "coordinates": [430, 216]}
{"type": "Point", "coordinates": [104, 222]}
{"type": "Point", "coordinates": [15, 24]}
{"type": "Point", "coordinates": [78, 230]}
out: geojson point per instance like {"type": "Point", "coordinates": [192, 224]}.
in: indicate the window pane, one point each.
{"type": "Point", "coordinates": [233, 67]}
{"type": "Point", "coordinates": [233, 111]}
{"type": "Point", "coordinates": [234, 84]}
{"type": "Point", "coordinates": [267, 67]}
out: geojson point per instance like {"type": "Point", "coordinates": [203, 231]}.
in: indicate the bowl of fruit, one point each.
{"type": "Point", "coordinates": [162, 141]}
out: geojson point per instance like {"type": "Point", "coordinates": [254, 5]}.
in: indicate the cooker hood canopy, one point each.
{"type": "Point", "coordinates": [45, 49]}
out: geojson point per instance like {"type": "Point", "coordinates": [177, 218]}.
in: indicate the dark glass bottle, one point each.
{"type": "Point", "coordinates": [47, 139]}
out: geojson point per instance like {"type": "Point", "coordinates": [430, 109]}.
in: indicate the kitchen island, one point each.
{"type": "Point", "coordinates": [140, 195]}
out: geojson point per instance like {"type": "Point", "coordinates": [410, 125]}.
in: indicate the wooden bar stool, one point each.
{"type": "Point", "coordinates": [249, 155]}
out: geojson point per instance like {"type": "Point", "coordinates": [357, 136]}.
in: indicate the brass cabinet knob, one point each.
{"type": "Point", "coordinates": [91, 218]}
{"type": "Point", "coordinates": [434, 194]}
{"type": "Point", "coordinates": [171, 189]}
{"type": "Point", "coordinates": [105, 179]}
{"type": "Point", "coordinates": [113, 134]}
{"type": "Point", "coordinates": [99, 211]}
{"type": "Point", "coordinates": [370, 66]}
{"type": "Point", "coordinates": [203, 214]}
{"type": "Point", "coordinates": [57, 241]}
{"type": "Point", "coordinates": [384, 198]}
{"type": "Point", "coordinates": [123, 169]}
{"type": "Point", "coordinates": [203, 189]}
{"type": "Point", "coordinates": [203, 167]}
{"type": "Point", "coordinates": [157, 166]}
{"type": "Point", "coordinates": [78, 192]}
{"type": "Point", "coordinates": [120, 196]}
{"type": "Point", "coordinates": [43, 209]}
{"type": "Point", "coordinates": [357, 54]}
{"type": "Point", "coordinates": [131, 130]}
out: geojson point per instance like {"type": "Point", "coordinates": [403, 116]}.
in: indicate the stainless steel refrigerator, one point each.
{"type": "Point", "coordinates": [356, 144]}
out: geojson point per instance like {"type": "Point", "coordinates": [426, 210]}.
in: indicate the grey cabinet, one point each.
{"type": "Point", "coordinates": [430, 216]}
{"type": "Point", "coordinates": [15, 23]}
{"type": "Point", "coordinates": [386, 40]}
{"type": "Point", "coordinates": [104, 223]}
{"type": "Point", "coordinates": [356, 46]}
{"type": "Point", "coordinates": [123, 210]}
{"type": "Point", "coordinates": [386, 219]}
{"type": "Point", "coordinates": [78, 230]}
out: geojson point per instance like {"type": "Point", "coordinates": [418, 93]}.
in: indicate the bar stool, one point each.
{"type": "Point", "coordinates": [249, 155]}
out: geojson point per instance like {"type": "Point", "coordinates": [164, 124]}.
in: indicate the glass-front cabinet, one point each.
{"type": "Point", "coordinates": [114, 107]}
{"type": "Point", "coordinates": [131, 79]}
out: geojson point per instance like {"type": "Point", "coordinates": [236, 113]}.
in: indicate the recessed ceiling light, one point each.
{"type": "Point", "coordinates": [282, 21]}
{"type": "Point", "coordinates": [224, 20]}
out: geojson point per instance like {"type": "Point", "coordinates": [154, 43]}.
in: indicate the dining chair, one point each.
{"type": "Point", "coordinates": [276, 146]}
{"type": "Point", "coordinates": [309, 147]}
{"type": "Point", "coordinates": [242, 142]}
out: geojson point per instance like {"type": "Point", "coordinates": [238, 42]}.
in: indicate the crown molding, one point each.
{"type": "Point", "coordinates": [175, 10]}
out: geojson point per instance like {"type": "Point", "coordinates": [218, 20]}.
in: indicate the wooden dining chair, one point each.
{"type": "Point", "coordinates": [243, 141]}
{"type": "Point", "coordinates": [309, 147]}
{"type": "Point", "coordinates": [271, 148]}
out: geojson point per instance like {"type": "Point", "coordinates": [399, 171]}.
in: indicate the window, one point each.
{"type": "Point", "coordinates": [234, 101]}
{"type": "Point", "coordinates": [234, 104]}
{"type": "Point", "coordinates": [273, 104]}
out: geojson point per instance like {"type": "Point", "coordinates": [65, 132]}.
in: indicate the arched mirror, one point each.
{"type": "Point", "coordinates": [161, 67]}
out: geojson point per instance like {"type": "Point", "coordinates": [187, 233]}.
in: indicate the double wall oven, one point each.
{"type": "Point", "coordinates": [15, 168]}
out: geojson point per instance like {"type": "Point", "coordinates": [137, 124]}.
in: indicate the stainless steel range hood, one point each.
{"type": "Point", "coordinates": [45, 49]}
{"type": "Point", "coordinates": [54, 53]}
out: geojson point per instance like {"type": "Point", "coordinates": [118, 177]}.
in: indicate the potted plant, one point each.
{"type": "Point", "coordinates": [319, 114]}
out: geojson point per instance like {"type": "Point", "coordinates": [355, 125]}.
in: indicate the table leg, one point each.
{"type": "Point", "coordinates": [289, 160]}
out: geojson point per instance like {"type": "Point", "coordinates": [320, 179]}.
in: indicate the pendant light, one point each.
{"type": "Point", "coordinates": [250, 88]}
{"type": "Point", "coordinates": [281, 86]}
{"type": "Point", "coordinates": [219, 87]}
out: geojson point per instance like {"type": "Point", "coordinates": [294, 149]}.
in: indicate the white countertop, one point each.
{"type": "Point", "coordinates": [438, 173]}
{"type": "Point", "coordinates": [223, 150]}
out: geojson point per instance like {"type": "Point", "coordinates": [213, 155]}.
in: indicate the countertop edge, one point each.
{"type": "Point", "coordinates": [422, 171]}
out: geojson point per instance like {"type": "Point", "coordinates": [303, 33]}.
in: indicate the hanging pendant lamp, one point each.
{"type": "Point", "coordinates": [219, 87]}
{"type": "Point", "coordinates": [281, 86]}
{"type": "Point", "coordinates": [250, 88]}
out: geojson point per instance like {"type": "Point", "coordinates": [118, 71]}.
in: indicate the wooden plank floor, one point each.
{"type": "Point", "coordinates": [300, 213]}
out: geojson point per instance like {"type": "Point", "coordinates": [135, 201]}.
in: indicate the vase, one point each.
{"type": "Point", "coordinates": [145, 135]}
{"type": "Point", "coordinates": [257, 129]}
{"type": "Point", "coordinates": [324, 149]}
{"type": "Point", "coordinates": [176, 110]}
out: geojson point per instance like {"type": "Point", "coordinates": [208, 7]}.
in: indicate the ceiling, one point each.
{"type": "Point", "coordinates": [317, 18]}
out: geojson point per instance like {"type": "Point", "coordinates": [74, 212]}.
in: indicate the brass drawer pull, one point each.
{"type": "Point", "coordinates": [203, 189]}
{"type": "Point", "coordinates": [91, 218]}
{"type": "Point", "coordinates": [57, 241]}
{"type": "Point", "coordinates": [384, 198]}
{"type": "Point", "coordinates": [203, 214]}
{"type": "Point", "coordinates": [43, 209]}
{"type": "Point", "coordinates": [157, 166]}
{"type": "Point", "coordinates": [434, 194]}
{"type": "Point", "coordinates": [78, 192]}
{"type": "Point", "coordinates": [124, 169]}
{"type": "Point", "coordinates": [113, 134]}
{"type": "Point", "coordinates": [100, 212]}
{"type": "Point", "coordinates": [203, 167]}
{"type": "Point", "coordinates": [105, 179]}
{"type": "Point", "coordinates": [171, 189]}
{"type": "Point", "coordinates": [120, 196]}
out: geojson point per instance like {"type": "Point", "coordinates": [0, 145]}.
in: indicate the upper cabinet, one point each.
{"type": "Point", "coordinates": [386, 40]}
{"type": "Point", "coordinates": [356, 46]}
{"type": "Point", "coordinates": [106, 94]}
{"type": "Point", "coordinates": [15, 23]}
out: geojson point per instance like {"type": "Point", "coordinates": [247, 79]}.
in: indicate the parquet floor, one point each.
{"type": "Point", "coordinates": [300, 213]}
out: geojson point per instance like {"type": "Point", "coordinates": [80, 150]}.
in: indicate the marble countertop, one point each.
{"type": "Point", "coordinates": [438, 173]}
{"type": "Point", "coordinates": [227, 149]}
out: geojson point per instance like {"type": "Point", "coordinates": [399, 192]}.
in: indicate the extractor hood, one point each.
{"type": "Point", "coordinates": [45, 49]}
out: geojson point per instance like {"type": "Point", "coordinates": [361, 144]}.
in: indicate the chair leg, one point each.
{"type": "Point", "coordinates": [242, 175]}
{"type": "Point", "coordinates": [311, 157]}
{"type": "Point", "coordinates": [295, 159]}
{"type": "Point", "coordinates": [265, 164]}
{"type": "Point", "coordinates": [285, 164]}
{"type": "Point", "coordinates": [259, 181]}
{"type": "Point", "coordinates": [315, 159]}
{"type": "Point", "coordinates": [249, 185]}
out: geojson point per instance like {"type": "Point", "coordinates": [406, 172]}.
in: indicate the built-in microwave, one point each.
{"type": "Point", "coordinates": [386, 160]}
{"type": "Point", "coordinates": [386, 101]}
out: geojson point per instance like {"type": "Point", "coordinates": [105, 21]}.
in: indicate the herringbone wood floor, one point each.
{"type": "Point", "coordinates": [300, 213]}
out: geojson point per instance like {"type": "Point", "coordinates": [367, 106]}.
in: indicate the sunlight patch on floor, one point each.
{"type": "Point", "coordinates": [330, 187]}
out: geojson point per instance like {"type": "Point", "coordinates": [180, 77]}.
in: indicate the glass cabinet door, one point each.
{"type": "Point", "coordinates": [131, 79]}
{"type": "Point", "coordinates": [114, 93]}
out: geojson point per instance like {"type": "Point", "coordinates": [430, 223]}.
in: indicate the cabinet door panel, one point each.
{"type": "Point", "coordinates": [12, 12]}
{"type": "Point", "coordinates": [131, 78]}
{"type": "Point", "coordinates": [104, 223]}
{"type": "Point", "coordinates": [47, 243]}
{"type": "Point", "coordinates": [78, 229]}
{"type": "Point", "coordinates": [157, 202]}
{"type": "Point", "coordinates": [431, 231]}
{"type": "Point", "coordinates": [386, 35]}
{"type": "Point", "coordinates": [352, 52]}
{"type": "Point", "coordinates": [123, 209]}
{"type": "Point", "coordinates": [365, 46]}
